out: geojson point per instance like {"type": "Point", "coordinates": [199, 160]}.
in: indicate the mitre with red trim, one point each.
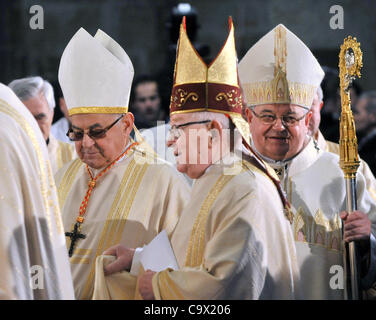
{"type": "Point", "coordinates": [214, 88]}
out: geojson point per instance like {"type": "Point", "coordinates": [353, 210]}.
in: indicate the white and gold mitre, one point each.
{"type": "Point", "coordinates": [95, 74]}
{"type": "Point", "coordinates": [280, 68]}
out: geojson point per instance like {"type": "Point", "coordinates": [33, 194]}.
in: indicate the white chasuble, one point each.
{"type": "Point", "coordinates": [232, 241]}
{"type": "Point", "coordinates": [363, 167]}
{"type": "Point", "coordinates": [130, 204]}
{"type": "Point", "coordinates": [33, 258]}
{"type": "Point", "coordinates": [315, 187]}
{"type": "Point", "coordinates": [59, 153]}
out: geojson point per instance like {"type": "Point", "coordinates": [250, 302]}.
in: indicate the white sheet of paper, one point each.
{"type": "Point", "coordinates": [158, 254]}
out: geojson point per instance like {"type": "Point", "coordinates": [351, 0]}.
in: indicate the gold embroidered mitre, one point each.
{"type": "Point", "coordinates": [214, 87]}
{"type": "Point", "coordinates": [95, 74]}
{"type": "Point", "coordinates": [281, 69]}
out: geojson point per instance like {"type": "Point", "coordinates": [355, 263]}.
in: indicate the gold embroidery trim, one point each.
{"type": "Point", "coordinates": [107, 229]}
{"type": "Point", "coordinates": [202, 82]}
{"type": "Point", "coordinates": [181, 97]}
{"type": "Point", "coordinates": [122, 210]}
{"type": "Point", "coordinates": [300, 223]}
{"type": "Point", "coordinates": [64, 154]}
{"type": "Point", "coordinates": [8, 110]}
{"type": "Point", "coordinates": [66, 183]}
{"type": "Point", "coordinates": [280, 50]}
{"type": "Point", "coordinates": [269, 92]}
{"type": "Point", "coordinates": [232, 101]}
{"type": "Point", "coordinates": [168, 289]}
{"type": "Point", "coordinates": [79, 110]}
{"type": "Point", "coordinates": [115, 213]}
{"type": "Point", "coordinates": [127, 207]}
{"type": "Point", "coordinates": [56, 208]}
{"type": "Point", "coordinates": [319, 224]}
{"type": "Point", "coordinates": [79, 260]}
{"type": "Point", "coordinates": [59, 156]}
{"type": "Point", "coordinates": [82, 252]}
{"type": "Point", "coordinates": [250, 167]}
{"type": "Point", "coordinates": [236, 114]}
{"type": "Point", "coordinates": [68, 153]}
{"type": "Point", "coordinates": [196, 242]}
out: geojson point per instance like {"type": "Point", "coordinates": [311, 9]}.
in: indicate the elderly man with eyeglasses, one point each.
{"type": "Point", "coordinates": [280, 77]}
{"type": "Point", "coordinates": [233, 240]}
{"type": "Point", "coordinates": [117, 191]}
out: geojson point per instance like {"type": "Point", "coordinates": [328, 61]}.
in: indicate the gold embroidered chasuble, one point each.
{"type": "Point", "coordinates": [59, 153]}
{"type": "Point", "coordinates": [33, 258]}
{"type": "Point", "coordinates": [314, 184]}
{"type": "Point", "coordinates": [130, 204]}
{"type": "Point", "coordinates": [232, 241]}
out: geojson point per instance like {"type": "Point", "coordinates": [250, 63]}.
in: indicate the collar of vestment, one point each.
{"type": "Point", "coordinates": [219, 167]}
{"type": "Point", "coordinates": [225, 162]}
{"type": "Point", "coordinates": [296, 164]}
{"type": "Point", "coordinates": [304, 159]}
{"type": "Point", "coordinates": [275, 164]}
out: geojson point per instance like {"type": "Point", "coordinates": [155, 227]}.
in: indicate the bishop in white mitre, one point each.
{"type": "Point", "coordinates": [117, 191]}
{"type": "Point", "coordinates": [280, 75]}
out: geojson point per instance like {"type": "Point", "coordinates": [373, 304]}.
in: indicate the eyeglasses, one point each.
{"type": "Point", "coordinates": [175, 133]}
{"type": "Point", "coordinates": [271, 119]}
{"type": "Point", "coordinates": [92, 133]}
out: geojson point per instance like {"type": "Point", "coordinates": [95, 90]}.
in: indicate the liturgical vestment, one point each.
{"type": "Point", "coordinates": [59, 153]}
{"type": "Point", "coordinates": [33, 258]}
{"type": "Point", "coordinates": [130, 204]}
{"type": "Point", "coordinates": [363, 167]}
{"type": "Point", "coordinates": [314, 184]}
{"type": "Point", "coordinates": [232, 241]}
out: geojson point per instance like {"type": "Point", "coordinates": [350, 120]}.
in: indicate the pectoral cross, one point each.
{"type": "Point", "coordinates": [74, 235]}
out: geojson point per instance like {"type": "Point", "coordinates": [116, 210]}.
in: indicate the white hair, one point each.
{"type": "Point", "coordinates": [30, 87]}
{"type": "Point", "coordinates": [222, 119]}
{"type": "Point", "coordinates": [206, 115]}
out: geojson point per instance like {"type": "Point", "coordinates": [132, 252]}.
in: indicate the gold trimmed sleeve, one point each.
{"type": "Point", "coordinates": [165, 288]}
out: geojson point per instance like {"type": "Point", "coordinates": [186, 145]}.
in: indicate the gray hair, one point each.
{"type": "Point", "coordinates": [206, 115]}
{"type": "Point", "coordinates": [223, 120]}
{"type": "Point", "coordinates": [30, 87]}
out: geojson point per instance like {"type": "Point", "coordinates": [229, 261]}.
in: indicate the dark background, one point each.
{"type": "Point", "coordinates": [139, 26]}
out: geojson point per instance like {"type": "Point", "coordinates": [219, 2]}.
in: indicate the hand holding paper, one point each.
{"type": "Point", "coordinates": [158, 254]}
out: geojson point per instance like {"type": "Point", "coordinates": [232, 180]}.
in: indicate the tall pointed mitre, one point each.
{"type": "Point", "coordinates": [214, 87]}
{"type": "Point", "coordinates": [281, 69]}
{"type": "Point", "coordinates": [95, 74]}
